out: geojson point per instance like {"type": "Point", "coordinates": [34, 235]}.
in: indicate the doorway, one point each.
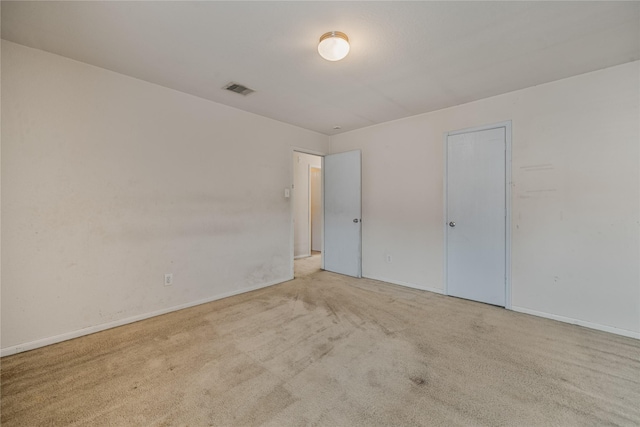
{"type": "Point", "coordinates": [307, 204]}
{"type": "Point", "coordinates": [315, 208]}
{"type": "Point", "coordinates": [477, 212]}
{"type": "Point", "coordinates": [326, 210]}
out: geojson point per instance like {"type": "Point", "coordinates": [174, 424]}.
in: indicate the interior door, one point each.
{"type": "Point", "coordinates": [342, 213]}
{"type": "Point", "coordinates": [476, 215]}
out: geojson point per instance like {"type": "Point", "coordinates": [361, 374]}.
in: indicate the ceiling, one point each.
{"type": "Point", "coordinates": [406, 58]}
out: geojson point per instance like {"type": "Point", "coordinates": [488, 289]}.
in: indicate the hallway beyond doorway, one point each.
{"type": "Point", "coordinates": [309, 265]}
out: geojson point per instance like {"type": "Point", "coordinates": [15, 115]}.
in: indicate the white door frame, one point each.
{"type": "Point", "coordinates": [507, 126]}
{"type": "Point", "coordinates": [292, 152]}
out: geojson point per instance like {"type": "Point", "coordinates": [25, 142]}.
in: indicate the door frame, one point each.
{"type": "Point", "coordinates": [507, 125]}
{"type": "Point", "coordinates": [293, 150]}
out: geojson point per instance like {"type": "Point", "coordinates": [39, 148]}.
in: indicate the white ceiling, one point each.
{"type": "Point", "coordinates": [406, 58]}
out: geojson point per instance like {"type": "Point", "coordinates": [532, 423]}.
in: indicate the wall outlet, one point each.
{"type": "Point", "coordinates": [168, 279]}
{"type": "Point", "coordinates": [389, 258]}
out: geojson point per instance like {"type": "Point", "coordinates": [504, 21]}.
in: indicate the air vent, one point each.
{"type": "Point", "coordinates": [238, 88]}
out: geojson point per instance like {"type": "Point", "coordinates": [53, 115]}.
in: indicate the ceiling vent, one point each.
{"type": "Point", "coordinates": [238, 88]}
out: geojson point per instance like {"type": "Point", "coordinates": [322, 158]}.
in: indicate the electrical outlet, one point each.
{"type": "Point", "coordinates": [168, 279]}
{"type": "Point", "coordinates": [389, 258]}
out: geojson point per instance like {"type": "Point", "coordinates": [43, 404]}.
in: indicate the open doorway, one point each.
{"type": "Point", "coordinates": [307, 205]}
{"type": "Point", "coordinates": [315, 207]}
{"type": "Point", "coordinates": [326, 212]}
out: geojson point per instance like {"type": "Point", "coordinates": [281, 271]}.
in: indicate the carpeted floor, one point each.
{"type": "Point", "coordinates": [329, 350]}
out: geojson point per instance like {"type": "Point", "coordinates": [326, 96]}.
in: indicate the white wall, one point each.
{"type": "Point", "coordinates": [109, 182]}
{"type": "Point", "coordinates": [301, 200]}
{"type": "Point", "coordinates": [575, 221]}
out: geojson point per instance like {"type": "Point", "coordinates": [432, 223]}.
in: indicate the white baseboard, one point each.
{"type": "Point", "coordinates": [596, 326]}
{"type": "Point", "coordinates": [8, 351]}
{"type": "Point", "coordinates": [302, 256]}
{"type": "Point", "coordinates": [406, 284]}
{"type": "Point", "coordinates": [590, 325]}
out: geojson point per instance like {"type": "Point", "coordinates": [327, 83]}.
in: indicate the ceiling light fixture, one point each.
{"type": "Point", "coordinates": [333, 46]}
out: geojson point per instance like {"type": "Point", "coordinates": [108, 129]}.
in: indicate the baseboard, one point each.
{"type": "Point", "coordinates": [590, 325]}
{"type": "Point", "coordinates": [406, 284]}
{"type": "Point", "coordinates": [596, 326]}
{"type": "Point", "coordinates": [302, 256]}
{"type": "Point", "coordinates": [93, 329]}
{"type": "Point", "coordinates": [104, 326]}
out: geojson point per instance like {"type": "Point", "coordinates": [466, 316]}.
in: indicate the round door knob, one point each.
{"type": "Point", "coordinates": [452, 224]}
{"type": "Point", "coordinates": [355, 220]}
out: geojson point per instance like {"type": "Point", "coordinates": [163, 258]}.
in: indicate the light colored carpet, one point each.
{"type": "Point", "coordinates": [329, 350]}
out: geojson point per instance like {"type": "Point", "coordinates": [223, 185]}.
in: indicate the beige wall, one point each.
{"type": "Point", "coordinates": [575, 222]}
{"type": "Point", "coordinates": [109, 182]}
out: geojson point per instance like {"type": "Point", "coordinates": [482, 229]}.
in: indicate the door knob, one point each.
{"type": "Point", "coordinates": [355, 220]}
{"type": "Point", "coordinates": [452, 224]}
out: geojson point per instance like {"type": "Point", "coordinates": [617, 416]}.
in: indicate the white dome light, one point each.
{"type": "Point", "coordinates": [333, 46]}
